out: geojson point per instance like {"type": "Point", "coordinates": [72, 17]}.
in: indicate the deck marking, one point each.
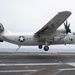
{"type": "Point", "coordinates": [72, 64]}
{"type": "Point", "coordinates": [18, 71]}
{"type": "Point", "coordinates": [67, 69]}
{"type": "Point", "coordinates": [31, 64]}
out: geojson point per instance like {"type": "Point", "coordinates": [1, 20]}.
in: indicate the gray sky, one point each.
{"type": "Point", "coordinates": [31, 15]}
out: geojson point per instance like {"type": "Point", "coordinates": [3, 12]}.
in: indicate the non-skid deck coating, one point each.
{"type": "Point", "coordinates": [36, 63]}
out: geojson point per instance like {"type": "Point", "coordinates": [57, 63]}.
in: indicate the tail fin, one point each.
{"type": "Point", "coordinates": [1, 28]}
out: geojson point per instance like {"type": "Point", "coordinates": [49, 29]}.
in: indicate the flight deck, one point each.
{"type": "Point", "coordinates": [37, 63]}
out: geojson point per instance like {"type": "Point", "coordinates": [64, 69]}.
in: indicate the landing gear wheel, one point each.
{"type": "Point", "coordinates": [40, 46]}
{"type": "Point", "coordinates": [46, 48]}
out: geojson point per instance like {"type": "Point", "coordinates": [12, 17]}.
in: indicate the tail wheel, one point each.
{"type": "Point", "coordinates": [46, 48]}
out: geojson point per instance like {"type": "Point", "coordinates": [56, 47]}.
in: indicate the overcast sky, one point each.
{"type": "Point", "coordinates": [31, 15]}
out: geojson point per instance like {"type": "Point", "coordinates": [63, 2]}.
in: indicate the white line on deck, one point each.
{"type": "Point", "coordinates": [71, 63]}
{"type": "Point", "coordinates": [67, 69]}
{"type": "Point", "coordinates": [19, 71]}
{"type": "Point", "coordinates": [31, 64]}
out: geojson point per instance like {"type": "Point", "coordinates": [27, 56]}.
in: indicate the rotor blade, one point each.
{"type": "Point", "coordinates": [66, 23]}
{"type": "Point", "coordinates": [69, 25]}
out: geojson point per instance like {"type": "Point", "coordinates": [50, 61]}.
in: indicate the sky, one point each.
{"type": "Point", "coordinates": [31, 15]}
